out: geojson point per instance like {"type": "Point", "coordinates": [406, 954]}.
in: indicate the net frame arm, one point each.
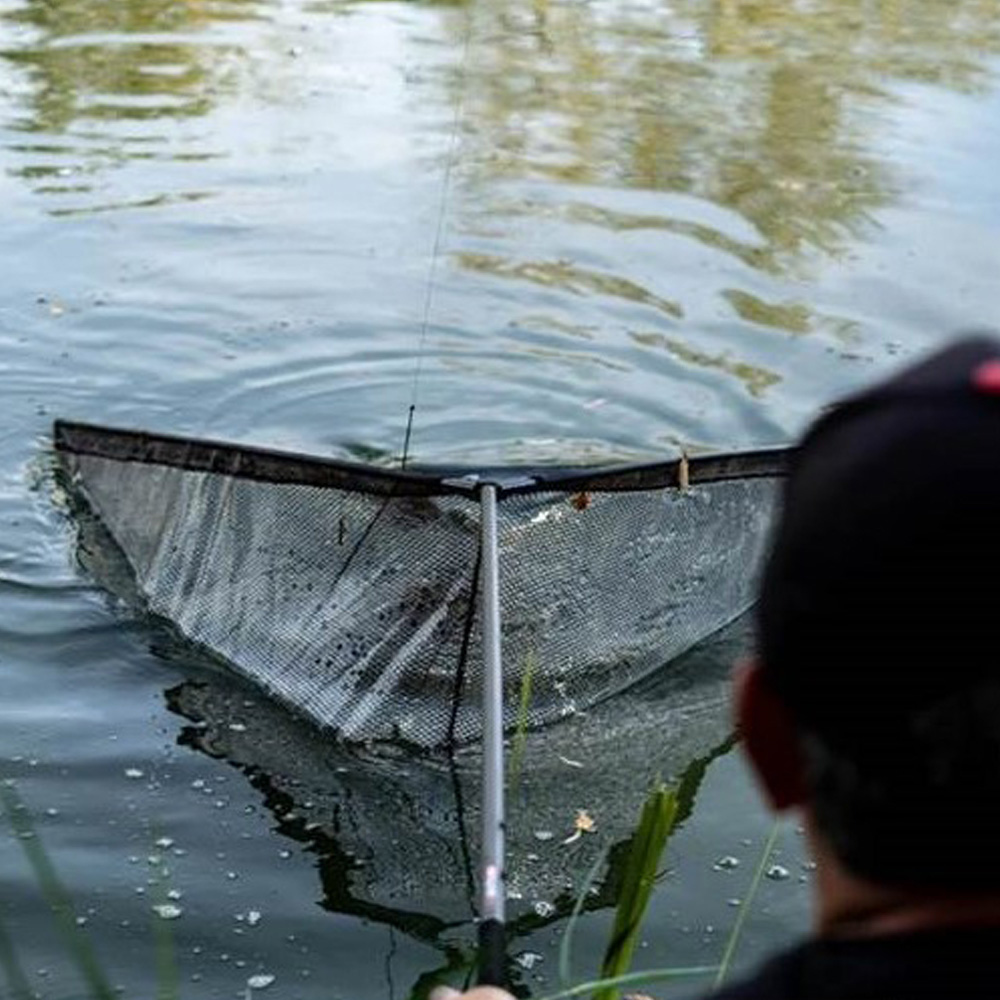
{"type": "Point", "coordinates": [492, 904]}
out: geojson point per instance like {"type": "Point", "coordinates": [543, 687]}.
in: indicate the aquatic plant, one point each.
{"type": "Point", "coordinates": [54, 892]}
{"type": "Point", "coordinates": [658, 819]}
{"type": "Point", "coordinates": [736, 933]}
{"type": "Point", "coordinates": [74, 938]}
{"type": "Point", "coordinates": [521, 727]}
{"type": "Point", "coordinates": [656, 823]}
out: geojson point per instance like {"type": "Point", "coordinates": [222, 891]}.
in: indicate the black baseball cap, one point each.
{"type": "Point", "coordinates": [881, 594]}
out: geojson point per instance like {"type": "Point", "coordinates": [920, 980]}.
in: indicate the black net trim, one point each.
{"type": "Point", "coordinates": [272, 466]}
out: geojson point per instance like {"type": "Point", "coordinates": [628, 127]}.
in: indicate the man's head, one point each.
{"type": "Point", "coordinates": [879, 626]}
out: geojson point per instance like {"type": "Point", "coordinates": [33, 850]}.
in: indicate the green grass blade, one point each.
{"type": "Point", "coordinates": [565, 946]}
{"type": "Point", "coordinates": [521, 728]}
{"type": "Point", "coordinates": [55, 895]}
{"type": "Point", "coordinates": [656, 823]}
{"type": "Point", "coordinates": [744, 910]}
{"type": "Point", "coordinates": [632, 979]}
{"type": "Point", "coordinates": [167, 987]}
{"type": "Point", "coordinates": [17, 981]}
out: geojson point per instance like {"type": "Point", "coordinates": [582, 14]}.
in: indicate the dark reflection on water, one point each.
{"type": "Point", "coordinates": [418, 872]}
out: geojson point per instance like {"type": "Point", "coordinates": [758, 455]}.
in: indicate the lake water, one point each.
{"type": "Point", "coordinates": [568, 231]}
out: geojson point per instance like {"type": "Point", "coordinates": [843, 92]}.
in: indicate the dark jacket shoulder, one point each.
{"type": "Point", "coordinates": [929, 965]}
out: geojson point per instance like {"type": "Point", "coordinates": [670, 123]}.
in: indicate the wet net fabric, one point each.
{"type": "Point", "coordinates": [359, 607]}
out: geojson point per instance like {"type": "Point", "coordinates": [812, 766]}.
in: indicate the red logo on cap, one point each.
{"type": "Point", "coordinates": [986, 378]}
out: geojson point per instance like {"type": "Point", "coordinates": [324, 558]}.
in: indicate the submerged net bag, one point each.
{"type": "Point", "coordinates": [417, 872]}
{"type": "Point", "coordinates": [353, 593]}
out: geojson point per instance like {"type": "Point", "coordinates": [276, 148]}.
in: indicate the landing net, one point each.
{"type": "Point", "coordinates": [353, 593]}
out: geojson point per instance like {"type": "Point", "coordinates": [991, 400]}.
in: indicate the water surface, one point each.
{"type": "Point", "coordinates": [565, 231]}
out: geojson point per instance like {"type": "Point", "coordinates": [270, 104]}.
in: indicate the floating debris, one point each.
{"type": "Point", "coordinates": [544, 835]}
{"type": "Point", "coordinates": [777, 873]}
{"type": "Point", "coordinates": [726, 863]}
{"type": "Point", "coordinates": [584, 823]}
{"type": "Point", "coordinates": [569, 762]}
{"type": "Point", "coordinates": [544, 908]}
{"type": "Point", "coordinates": [167, 911]}
{"type": "Point", "coordinates": [528, 959]}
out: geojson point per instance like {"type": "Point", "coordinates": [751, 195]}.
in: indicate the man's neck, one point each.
{"type": "Point", "coordinates": [850, 906]}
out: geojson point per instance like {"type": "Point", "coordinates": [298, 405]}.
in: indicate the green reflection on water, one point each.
{"type": "Point", "coordinates": [756, 379]}
{"type": "Point", "coordinates": [105, 84]}
{"type": "Point", "coordinates": [563, 274]}
{"type": "Point", "coordinates": [135, 59]}
{"type": "Point", "coordinates": [770, 108]}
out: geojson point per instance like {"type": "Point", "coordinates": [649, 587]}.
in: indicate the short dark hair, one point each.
{"type": "Point", "coordinates": [879, 620]}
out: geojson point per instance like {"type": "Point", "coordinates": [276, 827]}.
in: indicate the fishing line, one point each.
{"type": "Point", "coordinates": [438, 239]}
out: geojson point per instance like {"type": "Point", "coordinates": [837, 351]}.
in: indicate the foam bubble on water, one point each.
{"type": "Point", "coordinates": [544, 908]}
{"type": "Point", "coordinates": [254, 917]}
{"type": "Point", "coordinates": [165, 842]}
{"type": "Point", "coordinates": [133, 772]}
{"type": "Point", "coordinates": [528, 959]}
{"type": "Point", "coordinates": [726, 863]}
{"type": "Point", "coordinates": [260, 981]}
{"type": "Point", "coordinates": [167, 911]}
{"type": "Point", "coordinates": [777, 873]}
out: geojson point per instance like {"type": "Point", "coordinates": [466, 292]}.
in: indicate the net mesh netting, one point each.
{"type": "Point", "coordinates": [352, 594]}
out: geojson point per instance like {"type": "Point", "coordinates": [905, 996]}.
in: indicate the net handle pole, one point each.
{"type": "Point", "coordinates": [492, 948]}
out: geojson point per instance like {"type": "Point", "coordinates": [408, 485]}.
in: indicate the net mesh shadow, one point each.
{"type": "Point", "coordinates": [351, 593]}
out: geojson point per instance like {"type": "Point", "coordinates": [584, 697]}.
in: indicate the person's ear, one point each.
{"type": "Point", "coordinates": [770, 737]}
